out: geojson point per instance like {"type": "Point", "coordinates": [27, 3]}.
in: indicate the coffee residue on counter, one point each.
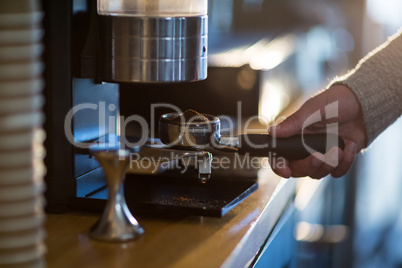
{"type": "Point", "coordinates": [190, 116]}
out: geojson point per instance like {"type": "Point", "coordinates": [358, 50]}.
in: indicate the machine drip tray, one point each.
{"type": "Point", "coordinates": [167, 195]}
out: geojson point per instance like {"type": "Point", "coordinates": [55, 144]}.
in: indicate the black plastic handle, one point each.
{"type": "Point", "coordinates": [292, 148]}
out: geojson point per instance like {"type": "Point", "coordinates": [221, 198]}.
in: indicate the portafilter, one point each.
{"type": "Point", "coordinates": [202, 132]}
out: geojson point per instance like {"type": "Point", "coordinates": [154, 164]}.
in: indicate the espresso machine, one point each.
{"type": "Point", "coordinates": [95, 48]}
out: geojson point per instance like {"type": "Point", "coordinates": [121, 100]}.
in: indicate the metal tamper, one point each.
{"type": "Point", "coordinates": [116, 224]}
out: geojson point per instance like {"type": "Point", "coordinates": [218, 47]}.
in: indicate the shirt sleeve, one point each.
{"type": "Point", "coordinates": [377, 83]}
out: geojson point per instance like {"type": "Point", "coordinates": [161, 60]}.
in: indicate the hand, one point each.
{"type": "Point", "coordinates": [350, 127]}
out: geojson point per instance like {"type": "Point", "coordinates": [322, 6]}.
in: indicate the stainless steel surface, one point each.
{"type": "Point", "coordinates": [156, 158]}
{"type": "Point", "coordinates": [153, 49]}
{"type": "Point", "coordinates": [116, 224]}
{"type": "Point", "coordinates": [228, 143]}
{"type": "Point", "coordinates": [195, 135]}
{"type": "Point", "coordinates": [189, 135]}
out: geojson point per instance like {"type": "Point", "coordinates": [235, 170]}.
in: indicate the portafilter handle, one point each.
{"type": "Point", "coordinates": [292, 148]}
{"type": "Point", "coordinates": [116, 224]}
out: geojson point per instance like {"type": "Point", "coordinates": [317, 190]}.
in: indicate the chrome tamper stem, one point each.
{"type": "Point", "coordinates": [116, 224]}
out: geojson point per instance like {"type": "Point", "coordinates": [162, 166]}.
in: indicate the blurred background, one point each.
{"type": "Point", "coordinates": [354, 221]}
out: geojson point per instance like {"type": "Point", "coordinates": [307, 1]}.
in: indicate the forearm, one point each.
{"type": "Point", "coordinates": [377, 83]}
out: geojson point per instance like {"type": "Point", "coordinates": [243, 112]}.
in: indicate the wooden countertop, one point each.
{"type": "Point", "coordinates": [192, 241]}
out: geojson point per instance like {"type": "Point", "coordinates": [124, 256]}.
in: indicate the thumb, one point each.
{"type": "Point", "coordinates": [288, 127]}
{"type": "Point", "coordinates": [292, 125]}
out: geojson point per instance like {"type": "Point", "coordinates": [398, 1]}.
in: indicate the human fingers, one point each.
{"type": "Point", "coordinates": [295, 123]}
{"type": "Point", "coordinates": [306, 167]}
{"type": "Point", "coordinates": [289, 127]}
{"type": "Point", "coordinates": [316, 165]}
{"type": "Point", "coordinates": [349, 154]}
{"type": "Point", "coordinates": [280, 166]}
{"type": "Point", "coordinates": [330, 161]}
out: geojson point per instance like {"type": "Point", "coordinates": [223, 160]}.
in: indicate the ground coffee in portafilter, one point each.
{"type": "Point", "coordinates": [190, 116]}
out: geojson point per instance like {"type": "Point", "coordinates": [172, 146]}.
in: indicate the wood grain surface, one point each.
{"type": "Point", "coordinates": [191, 241]}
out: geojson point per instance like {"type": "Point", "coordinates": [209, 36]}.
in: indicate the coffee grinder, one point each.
{"type": "Point", "coordinates": [91, 47]}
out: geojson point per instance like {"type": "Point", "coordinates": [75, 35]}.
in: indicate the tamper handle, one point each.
{"type": "Point", "coordinates": [116, 224]}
